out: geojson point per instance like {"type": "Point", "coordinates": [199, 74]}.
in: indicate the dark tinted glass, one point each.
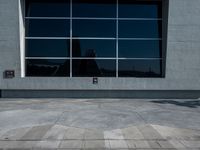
{"type": "Point", "coordinates": [140, 29]}
{"type": "Point", "coordinates": [47, 68]}
{"type": "Point", "coordinates": [47, 8]}
{"type": "Point", "coordinates": [94, 28]}
{"type": "Point", "coordinates": [93, 48]}
{"type": "Point", "coordinates": [94, 68]}
{"type": "Point", "coordinates": [140, 68]}
{"type": "Point", "coordinates": [47, 28]}
{"type": "Point", "coordinates": [140, 49]}
{"type": "Point", "coordinates": [94, 8]}
{"type": "Point", "coordinates": [47, 48]}
{"type": "Point", "coordinates": [140, 9]}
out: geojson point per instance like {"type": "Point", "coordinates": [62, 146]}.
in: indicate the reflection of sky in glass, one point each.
{"type": "Point", "coordinates": [140, 29]}
{"type": "Point", "coordinates": [94, 28]}
{"type": "Point", "coordinates": [97, 8]}
{"type": "Point", "coordinates": [133, 9]}
{"type": "Point", "coordinates": [47, 48]}
{"type": "Point", "coordinates": [47, 8]}
{"type": "Point", "coordinates": [139, 49]}
{"type": "Point", "coordinates": [47, 28]}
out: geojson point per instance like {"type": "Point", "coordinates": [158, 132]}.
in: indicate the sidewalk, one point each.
{"type": "Point", "coordinates": [75, 124]}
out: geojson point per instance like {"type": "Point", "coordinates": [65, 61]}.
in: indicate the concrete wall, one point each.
{"type": "Point", "coordinates": [182, 63]}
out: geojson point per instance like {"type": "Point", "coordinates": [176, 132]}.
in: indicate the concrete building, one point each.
{"type": "Point", "coordinates": [100, 48]}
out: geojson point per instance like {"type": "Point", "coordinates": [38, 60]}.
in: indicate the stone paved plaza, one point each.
{"type": "Point", "coordinates": [100, 124]}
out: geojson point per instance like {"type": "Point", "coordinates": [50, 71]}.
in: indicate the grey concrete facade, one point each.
{"type": "Point", "coordinates": [182, 55]}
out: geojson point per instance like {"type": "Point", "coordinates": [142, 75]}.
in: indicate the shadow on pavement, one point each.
{"type": "Point", "coordinates": [190, 104]}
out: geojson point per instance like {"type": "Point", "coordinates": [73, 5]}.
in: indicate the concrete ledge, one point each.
{"type": "Point", "coordinates": [150, 94]}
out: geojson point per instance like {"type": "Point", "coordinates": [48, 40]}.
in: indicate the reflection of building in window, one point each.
{"type": "Point", "coordinates": [76, 48]}
{"type": "Point", "coordinates": [90, 53]}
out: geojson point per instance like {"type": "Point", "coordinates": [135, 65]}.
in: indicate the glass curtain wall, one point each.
{"type": "Point", "coordinates": [93, 38]}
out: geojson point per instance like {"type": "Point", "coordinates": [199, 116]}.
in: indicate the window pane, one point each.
{"type": "Point", "coordinates": [47, 8]}
{"type": "Point", "coordinates": [47, 28]}
{"type": "Point", "coordinates": [140, 49]}
{"type": "Point", "coordinates": [94, 28]}
{"type": "Point", "coordinates": [94, 68]}
{"type": "Point", "coordinates": [140, 9]}
{"type": "Point", "coordinates": [140, 68]}
{"type": "Point", "coordinates": [93, 48]}
{"type": "Point", "coordinates": [140, 29]}
{"type": "Point", "coordinates": [47, 48]}
{"type": "Point", "coordinates": [94, 8]}
{"type": "Point", "coordinates": [47, 68]}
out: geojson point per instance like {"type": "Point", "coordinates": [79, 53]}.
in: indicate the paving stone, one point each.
{"type": "Point", "coordinates": [57, 132]}
{"type": "Point", "coordinates": [48, 144]}
{"type": "Point", "coordinates": [149, 132]}
{"type": "Point", "coordinates": [176, 144]}
{"type": "Point", "coordinates": [18, 149]}
{"type": "Point", "coordinates": [74, 134]}
{"type": "Point", "coordinates": [107, 144]}
{"type": "Point", "coordinates": [132, 133]}
{"type": "Point", "coordinates": [137, 144]}
{"type": "Point", "coordinates": [118, 144]}
{"type": "Point", "coordinates": [154, 144]}
{"type": "Point", "coordinates": [36, 133]}
{"type": "Point", "coordinates": [94, 134]}
{"type": "Point", "coordinates": [15, 134]}
{"type": "Point", "coordinates": [17, 144]}
{"type": "Point", "coordinates": [191, 144]}
{"type": "Point", "coordinates": [94, 144]}
{"type": "Point", "coordinates": [177, 133]}
{"type": "Point", "coordinates": [114, 134]}
{"type": "Point", "coordinates": [165, 144]}
{"type": "Point", "coordinates": [72, 144]}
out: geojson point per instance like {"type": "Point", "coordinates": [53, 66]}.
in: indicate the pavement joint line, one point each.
{"type": "Point", "coordinates": [93, 140]}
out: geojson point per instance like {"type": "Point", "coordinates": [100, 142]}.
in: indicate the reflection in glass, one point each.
{"type": "Point", "coordinates": [47, 67]}
{"type": "Point", "coordinates": [140, 49]}
{"type": "Point", "coordinates": [47, 8]}
{"type": "Point", "coordinates": [140, 29]}
{"type": "Point", "coordinates": [93, 68]}
{"type": "Point", "coordinates": [93, 48]}
{"type": "Point", "coordinates": [47, 28]}
{"type": "Point", "coordinates": [140, 9]}
{"type": "Point", "coordinates": [140, 68]}
{"type": "Point", "coordinates": [94, 8]}
{"type": "Point", "coordinates": [47, 48]}
{"type": "Point", "coordinates": [94, 28]}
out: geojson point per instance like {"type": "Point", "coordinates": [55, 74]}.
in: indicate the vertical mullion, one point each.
{"type": "Point", "coordinates": [24, 34]}
{"type": "Point", "coordinates": [117, 36]}
{"type": "Point", "coordinates": [70, 38]}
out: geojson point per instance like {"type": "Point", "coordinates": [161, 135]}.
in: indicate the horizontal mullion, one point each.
{"type": "Point", "coordinates": [104, 58]}
{"type": "Point", "coordinates": [140, 58]}
{"type": "Point", "coordinates": [156, 39]}
{"type": "Point", "coordinates": [92, 18]}
{"type": "Point", "coordinates": [80, 38]}
{"type": "Point", "coordinates": [47, 38]}
{"type": "Point", "coordinates": [140, 19]}
{"type": "Point", "coordinates": [47, 17]}
{"type": "Point", "coordinates": [93, 38]}
{"type": "Point", "coordinates": [47, 57]}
